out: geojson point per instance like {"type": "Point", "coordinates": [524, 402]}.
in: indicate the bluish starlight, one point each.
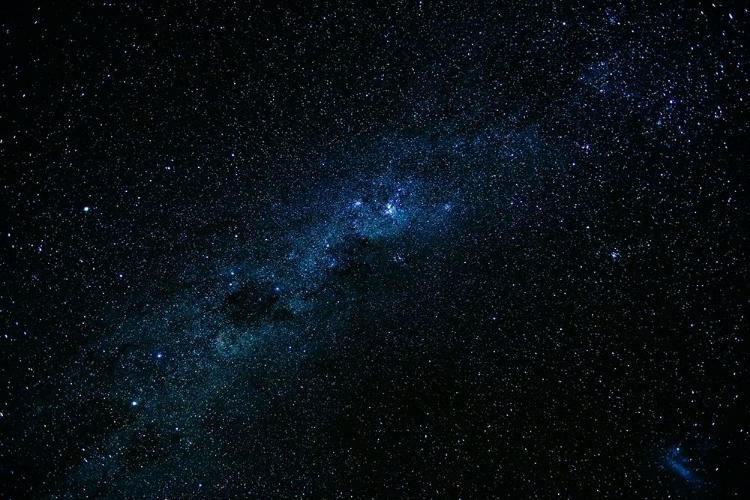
{"type": "Point", "coordinates": [399, 250]}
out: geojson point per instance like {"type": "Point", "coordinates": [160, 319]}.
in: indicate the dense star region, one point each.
{"type": "Point", "coordinates": [417, 249]}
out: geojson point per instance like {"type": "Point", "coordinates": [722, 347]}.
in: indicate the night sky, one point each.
{"type": "Point", "coordinates": [415, 249]}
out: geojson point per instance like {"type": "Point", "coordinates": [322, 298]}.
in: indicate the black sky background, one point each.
{"type": "Point", "coordinates": [414, 249]}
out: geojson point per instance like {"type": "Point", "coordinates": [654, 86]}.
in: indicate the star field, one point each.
{"type": "Point", "coordinates": [420, 249]}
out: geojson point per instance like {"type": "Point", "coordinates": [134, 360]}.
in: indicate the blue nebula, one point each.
{"type": "Point", "coordinates": [681, 465]}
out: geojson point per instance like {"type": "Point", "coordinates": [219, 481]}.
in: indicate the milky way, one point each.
{"type": "Point", "coordinates": [420, 250]}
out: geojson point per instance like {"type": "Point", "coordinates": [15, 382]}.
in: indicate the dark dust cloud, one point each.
{"type": "Point", "coordinates": [411, 249]}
